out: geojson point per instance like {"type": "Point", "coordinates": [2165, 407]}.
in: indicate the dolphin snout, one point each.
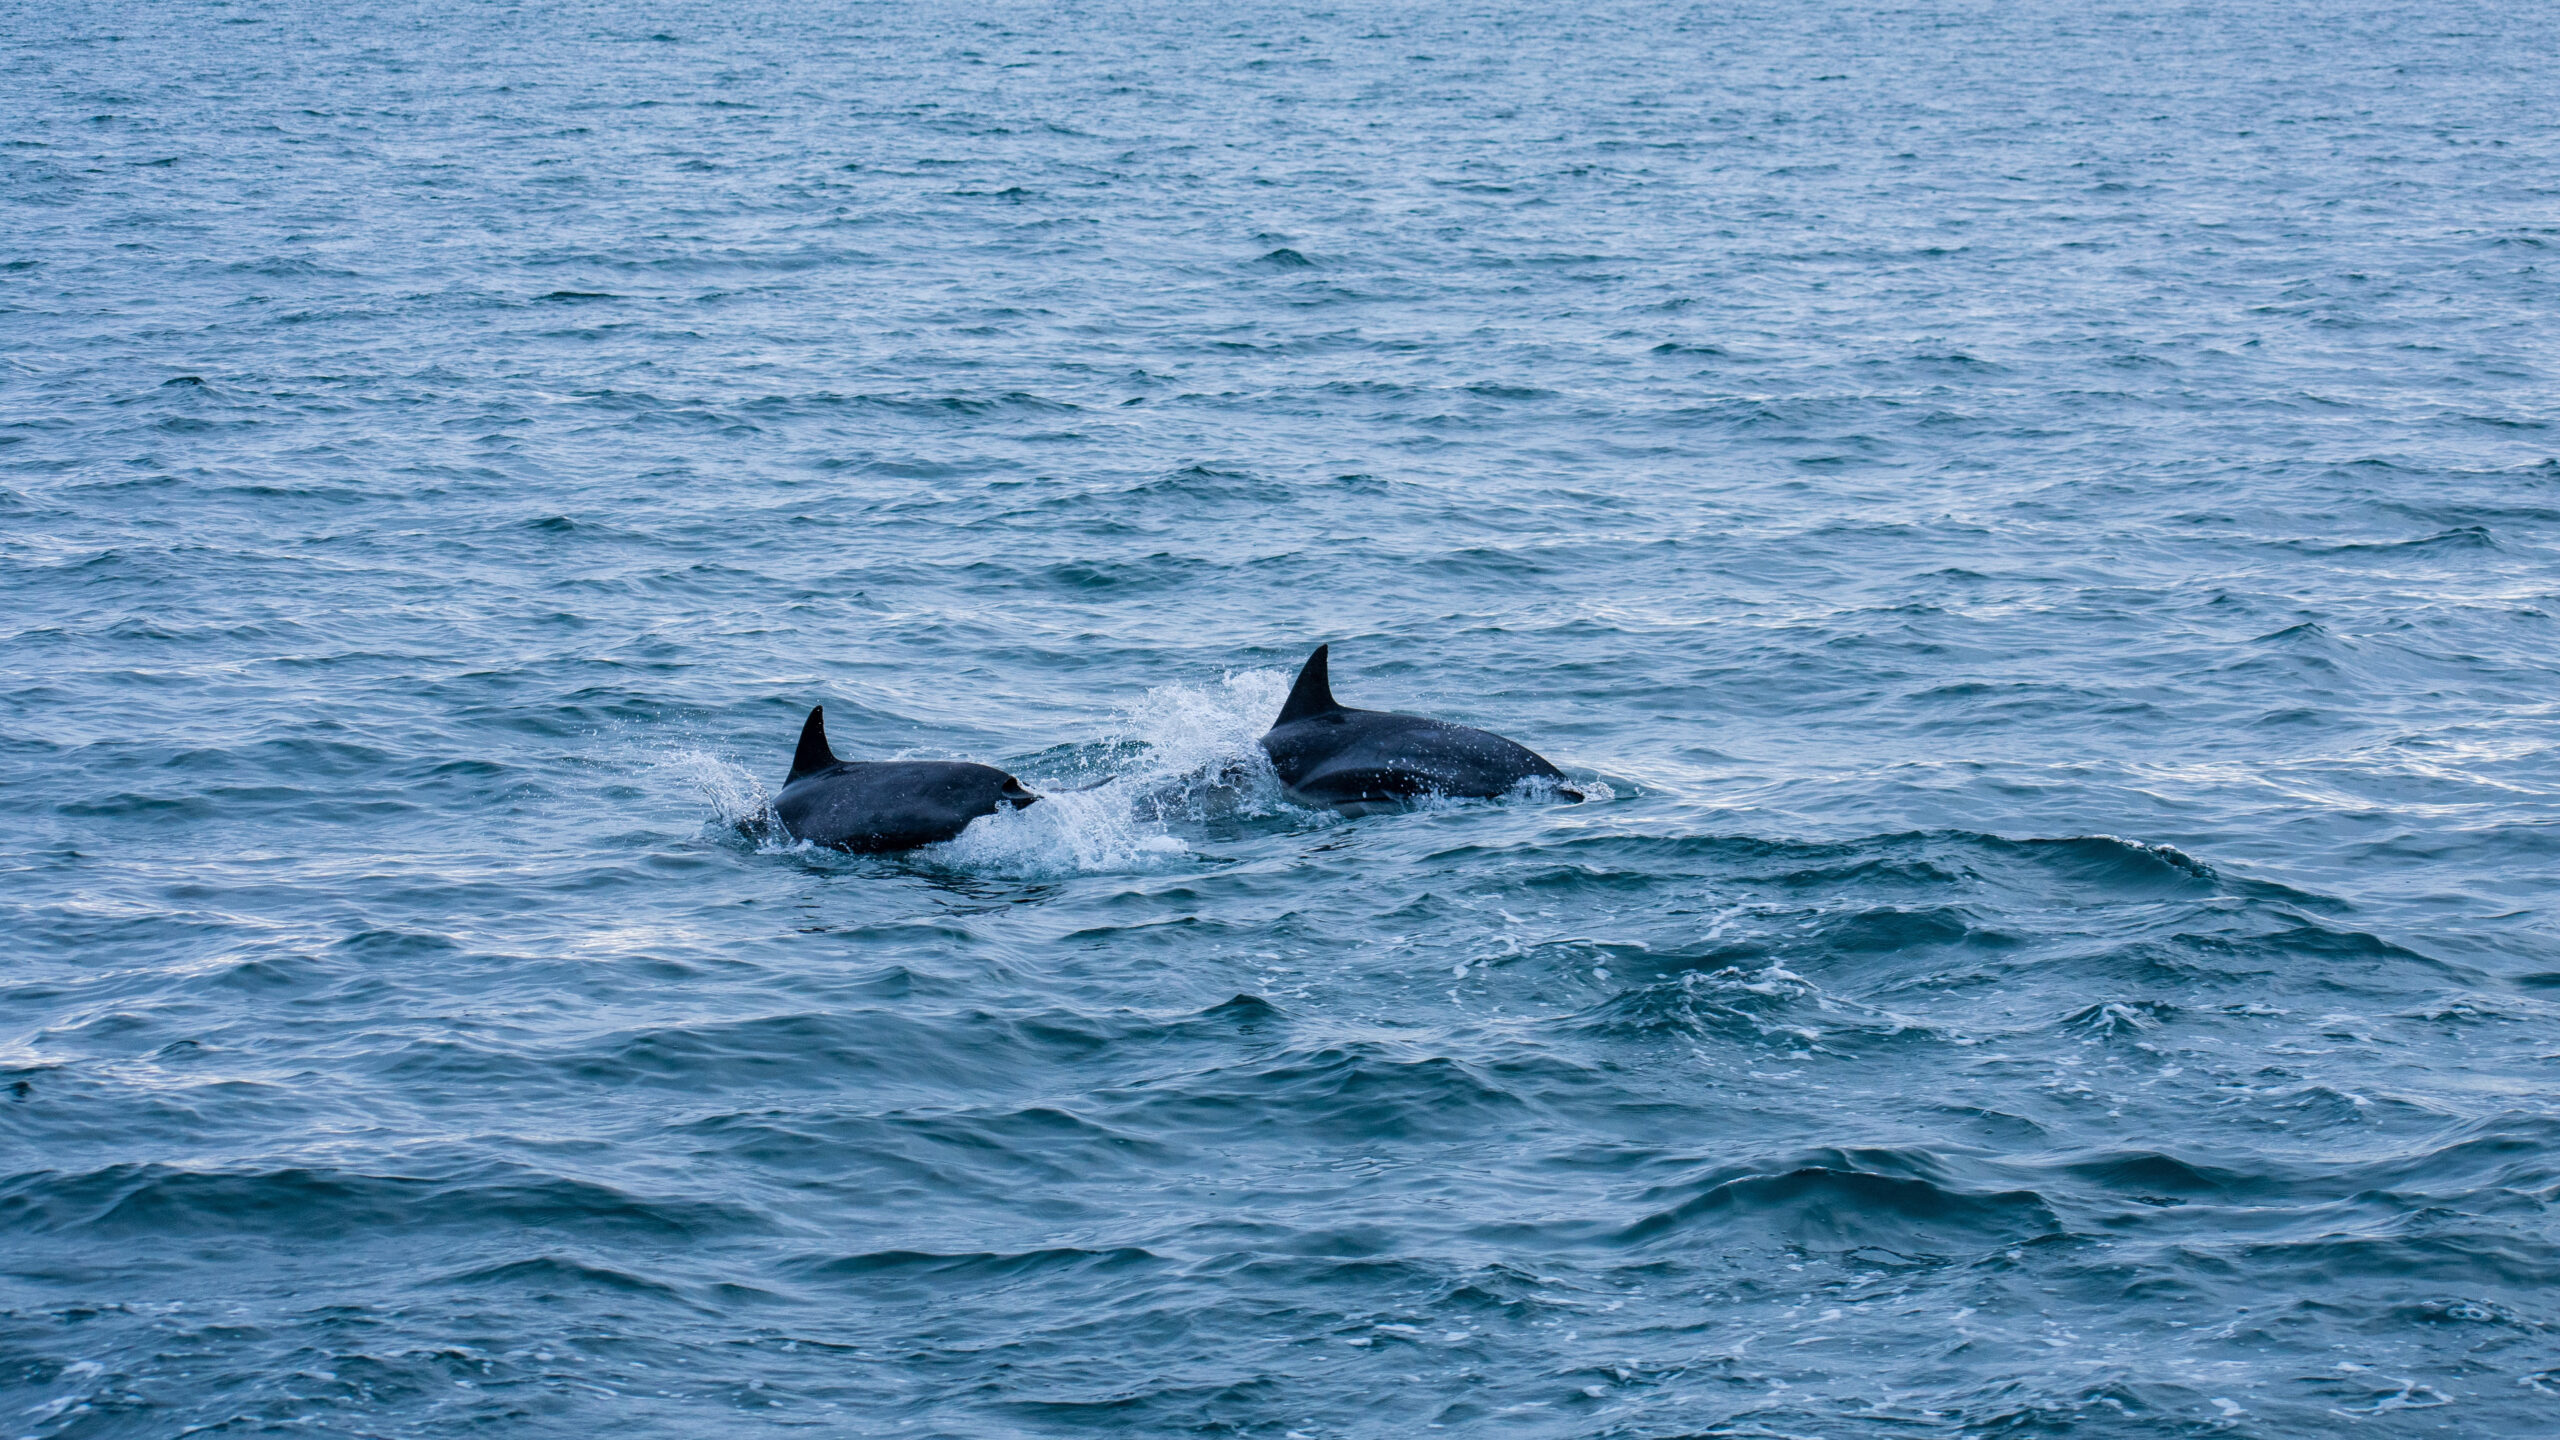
{"type": "Point", "coordinates": [1014, 795]}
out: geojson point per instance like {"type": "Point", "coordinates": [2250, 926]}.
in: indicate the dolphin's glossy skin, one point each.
{"type": "Point", "coordinates": [870, 806]}
{"type": "Point", "coordinates": [1330, 754]}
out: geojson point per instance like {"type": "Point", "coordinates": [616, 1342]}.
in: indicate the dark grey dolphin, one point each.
{"type": "Point", "coordinates": [1330, 754]}
{"type": "Point", "coordinates": [874, 805]}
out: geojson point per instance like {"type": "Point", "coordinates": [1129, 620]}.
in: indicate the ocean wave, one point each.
{"type": "Point", "coordinates": [1359, 1091]}
{"type": "Point", "coordinates": [156, 1200]}
{"type": "Point", "coordinates": [1840, 1209]}
{"type": "Point", "coordinates": [558, 1273]}
{"type": "Point", "coordinates": [912, 1266]}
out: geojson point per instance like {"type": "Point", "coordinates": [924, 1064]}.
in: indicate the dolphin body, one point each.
{"type": "Point", "coordinates": [869, 806]}
{"type": "Point", "coordinates": [1361, 760]}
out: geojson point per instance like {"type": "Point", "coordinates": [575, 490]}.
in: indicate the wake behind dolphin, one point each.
{"type": "Point", "coordinates": [1330, 754]}
{"type": "Point", "coordinates": [869, 806]}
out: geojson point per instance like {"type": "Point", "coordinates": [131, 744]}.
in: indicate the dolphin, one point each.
{"type": "Point", "coordinates": [1360, 760]}
{"type": "Point", "coordinates": [868, 806]}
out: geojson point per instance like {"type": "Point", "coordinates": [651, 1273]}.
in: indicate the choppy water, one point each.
{"type": "Point", "coordinates": [2039, 519]}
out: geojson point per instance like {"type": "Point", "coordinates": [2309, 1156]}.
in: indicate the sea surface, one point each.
{"type": "Point", "coordinates": [2037, 524]}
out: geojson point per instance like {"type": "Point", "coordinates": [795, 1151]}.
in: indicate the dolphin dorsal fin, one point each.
{"type": "Point", "coordinates": [1312, 695]}
{"type": "Point", "coordinates": [813, 754]}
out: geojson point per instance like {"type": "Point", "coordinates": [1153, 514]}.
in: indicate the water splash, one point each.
{"type": "Point", "coordinates": [1188, 758]}
{"type": "Point", "coordinates": [1078, 832]}
{"type": "Point", "coordinates": [738, 800]}
{"type": "Point", "coordinates": [1200, 746]}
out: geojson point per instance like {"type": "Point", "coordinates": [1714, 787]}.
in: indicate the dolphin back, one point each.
{"type": "Point", "coordinates": [882, 805]}
{"type": "Point", "coordinates": [877, 805]}
{"type": "Point", "coordinates": [1372, 757]}
{"type": "Point", "coordinates": [1331, 754]}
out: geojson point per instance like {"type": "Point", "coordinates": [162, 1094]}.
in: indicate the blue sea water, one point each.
{"type": "Point", "coordinates": [2036, 523]}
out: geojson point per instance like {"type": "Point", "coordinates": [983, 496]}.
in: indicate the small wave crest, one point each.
{"type": "Point", "coordinates": [1835, 1204]}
